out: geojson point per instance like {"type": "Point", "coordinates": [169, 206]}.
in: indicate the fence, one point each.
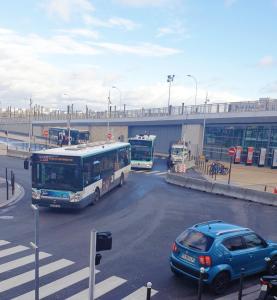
{"type": "Point", "coordinates": [213, 108]}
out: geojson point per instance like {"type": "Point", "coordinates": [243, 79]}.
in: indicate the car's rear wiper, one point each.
{"type": "Point", "coordinates": [194, 247]}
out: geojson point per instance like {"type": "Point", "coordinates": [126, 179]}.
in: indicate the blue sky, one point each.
{"type": "Point", "coordinates": [61, 51]}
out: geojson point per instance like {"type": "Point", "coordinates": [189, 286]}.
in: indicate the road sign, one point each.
{"type": "Point", "coordinates": [109, 135]}
{"type": "Point", "coordinates": [45, 133]}
{"type": "Point", "coordinates": [232, 151]}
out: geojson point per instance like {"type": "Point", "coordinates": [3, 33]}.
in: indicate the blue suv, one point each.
{"type": "Point", "coordinates": [223, 250]}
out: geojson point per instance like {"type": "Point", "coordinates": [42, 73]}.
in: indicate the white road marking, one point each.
{"type": "Point", "coordinates": [101, 288]}
{"type": "Point", "coordinates": [12, 250]}
{"type": "Point", "coordinates": [30, 275]}
{"type": "Point", "coordinates": [21, 262]}
{"type": "Point", "coordinates": [6, 217]}
{"type": "Point", "coordinates": [140, 294]}
{"type": "Point", "coordinates": [3, 242]}
{"type": "Point", "coordinates": [57, 285]}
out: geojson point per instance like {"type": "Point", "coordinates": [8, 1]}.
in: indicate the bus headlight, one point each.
{"type": "Point", "coordinates": [36, 194]}
{"type": "Point", "coordinates": [76, 197]}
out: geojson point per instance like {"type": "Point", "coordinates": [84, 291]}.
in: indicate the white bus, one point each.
{"type": "Point", "coordinates": [76, 176]}
{"type": "Point", "coordinates": [142, 151]}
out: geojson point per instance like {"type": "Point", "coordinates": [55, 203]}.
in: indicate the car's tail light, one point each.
{"type": "Point", "coordinates": [205, 260]}
{"type": "Point", "coordinates": [174, 247]}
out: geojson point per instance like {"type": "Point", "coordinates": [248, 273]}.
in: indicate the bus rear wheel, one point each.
{"type": "Point", "coordinates": [96, 196]}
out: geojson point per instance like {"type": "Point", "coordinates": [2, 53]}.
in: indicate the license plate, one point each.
{"type": "Point", "coordinates": [55, 205]}
{"type": "Point", "coordinates": [188, 258]}
{"type": "Point", "coordinates": [264, 287]}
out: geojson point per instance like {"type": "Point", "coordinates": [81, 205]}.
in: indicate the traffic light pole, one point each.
{"type": "Point", "coordinates": [92, 264]}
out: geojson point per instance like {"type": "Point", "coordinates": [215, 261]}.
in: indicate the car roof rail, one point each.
{"type": "Point", "coordinates": [231, 230]}
{"type": "Point", "coordinates": [208, 223]}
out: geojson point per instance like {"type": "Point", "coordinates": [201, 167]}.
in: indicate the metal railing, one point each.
{"type": "Point", "coordinates": [213, 108]}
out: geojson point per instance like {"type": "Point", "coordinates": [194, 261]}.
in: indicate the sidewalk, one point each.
{"type": "Point", "coordinates": [18, 193]}
{"type": "Point", "coordinates": [253, 177]}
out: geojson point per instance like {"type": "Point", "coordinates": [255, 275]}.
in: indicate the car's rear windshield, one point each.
{"type": "Point", "coordinates": [195, 240]}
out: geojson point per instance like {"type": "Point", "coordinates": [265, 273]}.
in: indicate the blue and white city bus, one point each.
{"type": "Point", "coordinates": [142, 151]}
{"type": "Point", "coordinates": [76, 176]}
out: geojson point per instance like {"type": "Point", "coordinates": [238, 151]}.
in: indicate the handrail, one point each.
{"type": "Point", "coordinates": [183, 110]}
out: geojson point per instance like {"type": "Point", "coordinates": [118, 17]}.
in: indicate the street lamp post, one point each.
{"type": "Point", "coordinates": [195, 80]}
{"type": "Point", "coordinates": [30, 125]}
{"type": "Point", "coordinates": [114, 87]}
{"type": "Point", "coordinates": [204, 122]}
{"type": "Point", "coordinates": [170, 79]}
{"type": "Point", "coordinates": [108, 113]}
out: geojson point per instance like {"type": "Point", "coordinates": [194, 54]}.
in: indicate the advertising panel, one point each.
{"type": "Point", "coordinates": [262, 157]}
{"type": "Point", "coordinates": [274, 159]}
{"type": "Point", "coordinates": [238, 155]}
{"type": "Point", "coordinates": [250, 153]}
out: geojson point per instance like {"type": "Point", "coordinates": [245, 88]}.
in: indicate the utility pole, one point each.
{"type": "Point", "coordinates": [170, 79]}
{"type": "Point", "coordinates": [68, 124]}
{"type": "Point", "coordinates": [30, 125]}
{"type": "Point", "coordinates": [108, 113]}
{"type": "Point", "coordinates": [204, 122]}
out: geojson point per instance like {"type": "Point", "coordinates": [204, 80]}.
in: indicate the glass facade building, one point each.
{"type": "Point", "coordinates": [219, 137]}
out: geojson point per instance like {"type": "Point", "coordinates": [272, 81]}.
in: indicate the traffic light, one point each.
{"type": "Point", "coordinates": [103, 243]}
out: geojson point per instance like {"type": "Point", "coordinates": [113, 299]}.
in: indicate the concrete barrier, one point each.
{"type": "Point", "coordinates": [223, 189]}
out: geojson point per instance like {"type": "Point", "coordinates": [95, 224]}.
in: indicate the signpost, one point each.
{"type": "Point", "coordinates": [231, 153]}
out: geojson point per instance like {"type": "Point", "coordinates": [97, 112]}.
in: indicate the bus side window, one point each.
{"type": "Point", "coordinates": [96, 171]}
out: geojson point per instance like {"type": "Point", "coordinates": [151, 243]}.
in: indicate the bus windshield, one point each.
{"type": "Point", "coordinates": [141, 150]}
{"type": "Point", "coordinates": [56, 176]}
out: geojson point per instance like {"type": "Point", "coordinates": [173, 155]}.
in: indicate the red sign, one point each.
{"type": "Point", "coordinates": [250, 152]}
{"type": "Point", "coordinates": [238, 154]}
{"type": "Point", "coordinates": [232, 151]}
{"type": "Point", "coordinates": [109, 135]}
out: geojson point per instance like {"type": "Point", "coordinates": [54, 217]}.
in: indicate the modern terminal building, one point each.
{"type": "Point", "coordinates": [249, 124]}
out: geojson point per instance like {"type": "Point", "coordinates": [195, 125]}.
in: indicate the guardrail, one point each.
{"type": "Point", "coordinates": [223, 189]}
{"type": "Point", "coordinates": [213, 108]}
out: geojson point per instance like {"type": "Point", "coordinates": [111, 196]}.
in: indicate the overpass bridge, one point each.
{"type": "Point", "coordinates": [168, 123]}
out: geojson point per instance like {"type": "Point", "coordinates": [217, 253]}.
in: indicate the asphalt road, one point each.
{"type": "Point", "coordinates": [145, 216]}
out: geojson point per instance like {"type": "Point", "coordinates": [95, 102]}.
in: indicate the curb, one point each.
{"type": "Point", "coordinates": [14, 198]}
{"type": "Point", "coordinates": [230, 191]}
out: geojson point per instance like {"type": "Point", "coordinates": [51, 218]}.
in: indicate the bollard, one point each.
{"type": "Point", "coordinates": [13, 182]}
{"type": "Point", "coordinates": [241, 283]}
{"type": "Point", "coordinates": [149, 287]}
{"type": "Point", "coordinates": [267, 261]}
{"type": "Point", "coordinates": [7, 185]}
{"type": "Point", "coordinates": [265, 188]}
{"type": "Point", "coordinates": [200, 283]}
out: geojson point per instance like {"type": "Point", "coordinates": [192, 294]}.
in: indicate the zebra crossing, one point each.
{"type": "Point", "coordinates": [17, 277]}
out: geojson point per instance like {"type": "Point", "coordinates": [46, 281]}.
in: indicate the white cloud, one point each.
{"type": "Point", "coordinates": [24, 73]}
{"type": "Point", "coordinates": [112, 22]}
{"type": "Point", "coordinates": [80, 32]}
{"type": "Point", "coordinates": [266, 61]}
{"type": "Point", "coordinates": [140, 3]}
{"type": "Point", "coordinates": [176, 29]}
{"type": "Point", "coordinates": [144, 49]}
{"type": "Point", "coordinates": [64, 9]}
{"type": "Point", "coordinates": [125, 23]}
